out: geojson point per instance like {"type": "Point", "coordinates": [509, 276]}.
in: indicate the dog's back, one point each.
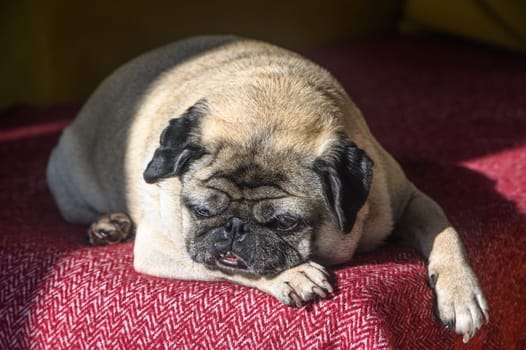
{"type": "Point", "coordinates": [72, 173]}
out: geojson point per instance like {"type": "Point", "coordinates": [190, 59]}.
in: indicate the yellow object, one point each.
{"type": "Point", "coordinates": [498, 22]}
{"type": "Point", "coordinates": [59, 50]}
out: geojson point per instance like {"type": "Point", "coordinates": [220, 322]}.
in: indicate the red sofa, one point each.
{"type": "Point", "coordinates": [453, 114]}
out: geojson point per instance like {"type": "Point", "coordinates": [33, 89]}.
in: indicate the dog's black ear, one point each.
{"type": "Point", "coordinates": [346, 174]}
{"type": "Point", "coordinates": [179, 146]}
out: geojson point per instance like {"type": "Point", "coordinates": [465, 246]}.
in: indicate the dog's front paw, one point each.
{"type": "Point", "coordinates": [301, 284]}
{"type": "Point", "coordinates": [460, 302]}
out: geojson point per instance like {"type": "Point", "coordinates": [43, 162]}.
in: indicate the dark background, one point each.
{"type": "Point", "coordinates": [54, 51]}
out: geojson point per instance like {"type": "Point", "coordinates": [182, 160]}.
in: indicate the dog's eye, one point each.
{"type": "Point", "coordinates": [285, 222]}
{"type": "Point", "coordinates": [201, 212]}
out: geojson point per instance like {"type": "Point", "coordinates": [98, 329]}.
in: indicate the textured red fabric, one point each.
{"type": "Point", "coordinates": [454, 116]}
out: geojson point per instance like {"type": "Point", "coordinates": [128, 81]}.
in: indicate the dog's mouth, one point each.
{"type": "Point", "coordinates": [232, 261]}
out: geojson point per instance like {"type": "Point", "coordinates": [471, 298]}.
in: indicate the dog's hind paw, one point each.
{"type": "Point", "coordinates": [110, 229]}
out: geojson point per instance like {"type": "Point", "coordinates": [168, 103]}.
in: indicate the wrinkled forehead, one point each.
{"type": "Point", "coordinates": [300, 123]}
{"type": "Point", "coordinates": [249, 175]}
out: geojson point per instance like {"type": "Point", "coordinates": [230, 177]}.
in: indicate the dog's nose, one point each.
{"type": "Point", "coordinates": [235, 229]}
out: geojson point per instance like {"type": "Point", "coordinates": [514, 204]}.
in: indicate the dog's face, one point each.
{"type": "Point", "coordinates": [250, 217]}
{"type": "Point", "coordinates": [253, 207]}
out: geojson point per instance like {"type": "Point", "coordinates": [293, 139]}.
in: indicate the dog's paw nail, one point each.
{"type": "Point", "coordinates": [466, 338]}
{"type": "Point", "coordinates": [328, 287]}
{"type": "Point", "coordinates": [320, 292]}
{"type": "Point", "coordinates": [432, 280]}
{"type": "Point", "coordinates": [450, 325]}
{"type": "Point", "coordinates": [298, 302]}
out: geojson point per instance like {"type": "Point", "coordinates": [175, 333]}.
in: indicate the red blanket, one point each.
{"type": "Point", "coordinates": [453, 115]}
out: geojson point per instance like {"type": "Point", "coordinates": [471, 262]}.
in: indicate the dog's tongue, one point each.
{"type": "Point", "coordinates": [232, 260]}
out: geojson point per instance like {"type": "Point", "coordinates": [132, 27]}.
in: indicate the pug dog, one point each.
{"type": "Point", "coordinates": [233, 159]}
